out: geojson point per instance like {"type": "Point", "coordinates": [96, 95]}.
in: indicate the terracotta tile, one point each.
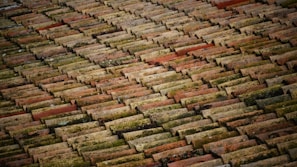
{"type": "Point", "coordinates": [101, 106]}
{"type": "Point", "coordinates": [276, 134]}
{"type": "Point", "coordinates": [13, 158]}
{"type": "Point", "coordinates": [66, 120]}
{"type": "Point", "coordinates": [227, 157]}
{"type": "Point", "coordinates": [198, 143]}
{"type": "Point", "coordinates": [287, 146]}
{"type": "Point", "coordinates": [289, 108]}
{"type": "Point", "coordinates": [38, 114]}
{"type": "Point", "coordinates": [108, 85]}
{"type": "Point", "coordinates": [180, 123]}
{"type": "Point", "coordinates": [141, 133]}
{"type": "Point", "coordinates": [283, 58]}
{"type": "Point", "coordinates": [206, 72]}
{"type": "Point", "coordinates": [43, 149]}
{"type": "Point", "coordinates": [191, 102]}
{"type": "Point", "coordinates": [15, 10]}
{"type": "Point", "coordinates": [251, 158]}
{"type": "Point", "coordinates": [39, 156]}
{"type": "Point", "coordinates": [236, 90]}
{"type": "Point", "coordinates": [191, 161]}
{"type": "Point", "coordinates": [241, 40]}
{"type": "Point", "coordinates": [130, 92]}
{"type": "Point", "coordinates": [93, 99]}
{"type": "Point", "coordinates": [131, 125]}
{"type": "Point", "coordinates": [192, 137]}
{"type": "Point", "coordinates": [220, 36]}
{"type": "Point", "coordinates": [279, 79]}
{"type": "Point", "coordinates": [197, 69]}
{"type": "Point", "coordinates": [80, 138]}
{"type": "Point", "coordinates": [97, 144]}
{"type": "Point", "coordinates": [277, 123]}
{"type": "Point", "coordinates": [89, 155]}
{"type": "Point", "coordinates": [74, 128]}
{"type": "Point", "coordinates": [278, 160]}
{"type": "Point", "coordinates": [245, 143]}
{"type": "Point", "coordinates": [33, 99]}
{"type": "Point", "coordinates": [121, 160]}
{"type": "Point", "coordinates": [157, 108]}
{"type": "Point", "coordinates": [21, 162]}
{"type": "Point", "coordinates": [25, 93]}
{"type": "Point", "coordinates": [66, 159]}
{"type": "Point", "coordinates": [189, 125]}
{"type": "Point", "coordinates": [22, 118]}
{"type": "Point", "coordinates": [166, 82]}
{"type": "Point", "coordinates": [249, 120]}
{"type": "Point", "coordinates": [185, 63]}
{"type": "Point", "coordinates": [164, 147]}
{"type": "Point", "coordinates": [291, 64]}
{"type": "Point", "coordinates": [18, 59]}
{"type": "Point", "coordinates": [214, 162]}
{"type": "Point", "coordinates": [104, 157]}
{"type": "Point", "coordinates": [182, 88]}
{"type": "Point", "coordinates": [12, 82]}
{"type": "Point", "coordinates": [155, 104]}
{"type": "Point", "coordinates": [200, 91]}
{"type": "Point", "coordinates": [162, 117]}
{"type": "Point", "coordinates": [215, 110]}
{"type": "Point", "coordinates": [172, 152]}
{"type": "Point", "coordinates": [268, 101]}
{"type": "Point", "coordinates": [11, 111]}
{"type": "Point", "coordinates": [226, 4]}
{"type": "Point", "coordinates": [261, 8]}
{"type": "Point", "coordinates": [112, 114]}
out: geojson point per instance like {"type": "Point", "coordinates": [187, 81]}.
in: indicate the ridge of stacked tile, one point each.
{"type": "Point", "coordinates": [148, 83]}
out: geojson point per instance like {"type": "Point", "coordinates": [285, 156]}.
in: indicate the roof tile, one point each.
{"type": "Point", "coordinates": [193, 160]}
{"type": "Point", "coordinates": [214, 162]}
{"type": "Point", "coordinates": [173, 152]}
{"type": "Point", "coordinates": [121, 160]}
{"type": "Point", "coordinates": [53, 110]}
{"type": "Point", "coordinates": [279, 160]}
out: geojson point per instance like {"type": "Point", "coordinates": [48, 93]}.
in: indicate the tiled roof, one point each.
{"type": "Point", "coordinates": [148, 83]}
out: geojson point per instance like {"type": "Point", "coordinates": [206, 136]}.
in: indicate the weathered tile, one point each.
{"type": "Point", "coordinates": [96, 158]}
{"type": "Point", "coordinates": [251, 97]}
{"type": "Point", "coordinates": [67, 159]}
{"type": "Point", "coordinates": [52, 110]}
{"type": "Point", "coordinates": [175, 151]}
{"type": "Point", "coordinates": [288, 146]}
{"type": "Point", "coordinates": [121, 160]}
{"type": "Point", "coordinates": [271, 124]}
{"type": "Point", "coordinates": [98, 143]}
{"type": "Point", "coordinates": [278, 160]}
{"type": "Point", "coordinates": [67, 120]}
{"type": "Point", "coordinates": [156, 143]}
{"type": "Point", "coordinates": [22, 118]}
{"type": "Point", "coordinates": [113, 114]}
{"type": "Point", "coordinates": [191, 161]}
{"type": "Point", "coordinates": [214, 162]}
{"type": "Point", "coordinates": [234, 113]}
